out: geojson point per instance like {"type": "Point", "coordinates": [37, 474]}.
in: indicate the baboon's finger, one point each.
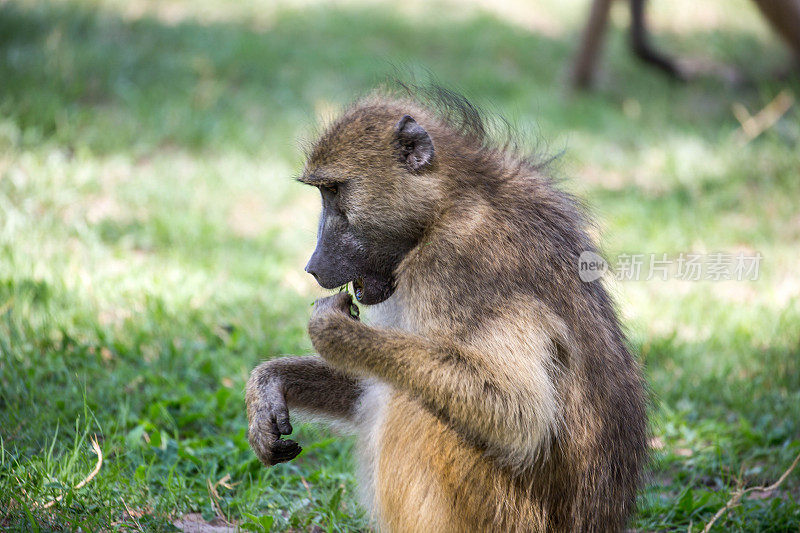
{"type": "Point", "coordinates": [284, 450]}
{"type": "Point", "coordinates": [282, 422]}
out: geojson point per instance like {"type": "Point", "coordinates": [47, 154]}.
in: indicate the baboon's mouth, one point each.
{"type": "Point", "coordinates": [371, 289]}
{"type": "Point", "coordinates": [358, 288]}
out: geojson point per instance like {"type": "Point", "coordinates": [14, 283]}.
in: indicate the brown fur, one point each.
{"type": "Point", "coordinates": [493, 389]}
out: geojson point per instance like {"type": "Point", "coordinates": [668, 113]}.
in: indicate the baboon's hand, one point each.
{"type": "Point", "coordinates": [333, 321]}
{"type": "Point", "coordinates": [341, 303]}
{"type": "Point", "coordinates": [269, 419]}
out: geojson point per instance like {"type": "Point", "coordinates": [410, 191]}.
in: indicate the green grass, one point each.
{"type": "Point", "coordinates": [152, 243]}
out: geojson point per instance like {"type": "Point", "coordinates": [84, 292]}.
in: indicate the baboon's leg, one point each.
{"type": "Point", "coordinates": [591, 43]}
{"type": "Point", "coordinates": [784, 17]}
{"type": "Point", "coordinates": [641, 44]}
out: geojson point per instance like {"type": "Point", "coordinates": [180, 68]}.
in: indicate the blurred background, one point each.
{"type": "Point", "coordinates": [152, 242]}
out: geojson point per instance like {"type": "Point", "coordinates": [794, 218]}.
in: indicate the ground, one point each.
{"type": "Point", "coordinates": [152, 242]}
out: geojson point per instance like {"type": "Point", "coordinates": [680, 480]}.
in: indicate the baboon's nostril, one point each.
{"type": "Point", "coordinates": [312, 273]}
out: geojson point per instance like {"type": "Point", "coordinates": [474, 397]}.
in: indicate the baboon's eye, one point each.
{"type": "Point", "coordinates": [332, 188]}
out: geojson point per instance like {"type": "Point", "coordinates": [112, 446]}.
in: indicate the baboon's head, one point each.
{"type": "Point", "coordinates": [375, 168]}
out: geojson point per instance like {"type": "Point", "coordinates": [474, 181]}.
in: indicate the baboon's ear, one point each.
{"type": "Point", "coordinates": [416, 146]}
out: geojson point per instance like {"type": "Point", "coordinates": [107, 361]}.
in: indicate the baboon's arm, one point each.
{"type": "Point", "coordinates": [307, 383]}
{"type": "Point", "coordinates": [510, 409]}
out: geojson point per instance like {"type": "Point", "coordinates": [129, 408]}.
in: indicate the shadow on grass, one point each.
{"type": "Point", "coordinates": [92, 79]}
{"type": "Point", "coordinates": [79, 76]}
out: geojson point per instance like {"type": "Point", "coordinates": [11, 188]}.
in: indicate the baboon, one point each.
{"type": "Point", "coordinates": [782, 15]}
{"type": "Point", "coordinates": [592, 41]}
{"type": "Point", "coordinates": [489, 388]}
